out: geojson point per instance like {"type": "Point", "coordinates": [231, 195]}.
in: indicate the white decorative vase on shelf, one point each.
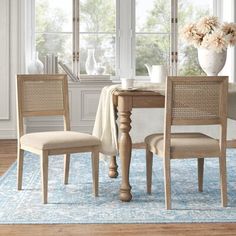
{"type": "Point", "coordinates": [36, 66]}
{"type": "Point", "coordinates": [90, 64]}
{"type": "Point", "coordinates": [211, 61]}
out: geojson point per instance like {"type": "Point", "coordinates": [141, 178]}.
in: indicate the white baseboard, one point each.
{"type": "Point", "coordinates": [8, 134]}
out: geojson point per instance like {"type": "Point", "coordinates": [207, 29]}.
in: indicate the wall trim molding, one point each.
{"type": "Point", "coordinates": [5, 60]}
{"type": "Point", "coordinates": [8, 134]}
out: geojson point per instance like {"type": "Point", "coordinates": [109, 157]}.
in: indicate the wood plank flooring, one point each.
{"type": "Point", "coordinates": [8, 156]}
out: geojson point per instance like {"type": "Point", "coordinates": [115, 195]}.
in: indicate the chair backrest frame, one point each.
{"type": "Point", "coordinates": [221, 120]}
{"type": "Point", "coordinates": [40, 82]}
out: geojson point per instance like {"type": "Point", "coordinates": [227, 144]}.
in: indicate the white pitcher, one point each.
{"type": "Point", "coordinates": [157, 73]}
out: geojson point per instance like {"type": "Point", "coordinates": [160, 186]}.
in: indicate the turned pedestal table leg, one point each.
{"type": "Point", "coordinates": [113, 173]}
{"type": "Point", "coordinates": [125, 145]}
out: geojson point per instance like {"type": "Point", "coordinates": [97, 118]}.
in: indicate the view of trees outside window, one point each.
{"type": "Point", "coordinates": [153, 33]}
{"type": "Point", "coordinates": [53, 32]}
{"type": "Point", "coordinates": [98, 31]}
{"type": "Point", "coordinates": [53, 29]}
{"type": "Point", "coordinates": [190, 11]}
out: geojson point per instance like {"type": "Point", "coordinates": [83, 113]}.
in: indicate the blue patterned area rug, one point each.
{"type": "Point", "coordinates": [75, 203]}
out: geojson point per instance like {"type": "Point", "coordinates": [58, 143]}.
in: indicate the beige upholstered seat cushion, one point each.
{"type": "Point", "coordinates": [185, 145]}
{"type": "Point", "coordinates": [58, 139]}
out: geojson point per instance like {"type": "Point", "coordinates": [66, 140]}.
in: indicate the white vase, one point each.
{"type": "Point", "coordinates": [90, 64]}
{"type": "Point", "coordinates": [210, 61]}
{"type": "Point", "coordinates": [36, 66]}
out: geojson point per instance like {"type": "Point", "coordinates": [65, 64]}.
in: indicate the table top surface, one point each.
{"type": "Point", "coordinates": [136, 93]}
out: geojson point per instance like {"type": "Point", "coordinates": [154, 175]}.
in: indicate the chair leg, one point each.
{"type": "Point", "coordinates": [149, 161]}
{"type": "Point", "coordinates": [66, 167]}
{"type": "Point", "coordinates": [223, 180]}
{"type": "Point", "coordinates": [200, 162]}
{"type": "Point", "coordinates": [20, 160]}
{"type": "Point", "coordinates": [44, 175]}
{"type": "Point", "coordinates": [95, 171]}
{"type": "Point", "coordinates": [167, 181]}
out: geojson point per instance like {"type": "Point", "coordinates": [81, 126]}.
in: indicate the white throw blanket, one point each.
{"type": "Point", "coordinates": [105, 126]}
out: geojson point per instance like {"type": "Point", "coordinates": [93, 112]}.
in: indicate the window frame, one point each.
{"type": "Point", "coordinates": [125, 37]}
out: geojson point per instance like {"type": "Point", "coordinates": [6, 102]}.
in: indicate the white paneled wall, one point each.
{"type": "Point", "coordinates": [4, 59]}
{"type": "Point", "coordinates": [8, 66]}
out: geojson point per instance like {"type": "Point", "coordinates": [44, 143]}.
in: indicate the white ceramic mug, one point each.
{"type": "Point", "coordinates": [127, 83]}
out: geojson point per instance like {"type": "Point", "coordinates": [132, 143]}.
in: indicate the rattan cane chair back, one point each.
{"type": "Point", "coordinates": [195, 100]}
{"type": "Point", "coordinates": [43, 95]}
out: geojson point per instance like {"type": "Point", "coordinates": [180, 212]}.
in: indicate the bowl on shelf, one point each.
{"type": "Point", "coordinates": [100, 70]}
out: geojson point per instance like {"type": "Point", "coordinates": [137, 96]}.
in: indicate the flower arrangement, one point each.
{"type": "Point", "coordinates": [209, 33]}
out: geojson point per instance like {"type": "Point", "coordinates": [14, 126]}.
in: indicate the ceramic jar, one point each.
{"type": "Point", "coordinates": [36, 66]}
{"type": "Point", "coordinates": [90, 64]}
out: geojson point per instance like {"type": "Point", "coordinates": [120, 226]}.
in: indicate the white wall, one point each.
{"type": "Point", "coordinates": [12, 61]}
{"type": "Point", "coordinates": [8, 67]}
{"type": "Point", "coordinates": [4, 60]}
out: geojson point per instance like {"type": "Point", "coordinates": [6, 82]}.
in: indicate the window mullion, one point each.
{"type": "Point", "coordinates": [125, 37]}
{"type": "Point", "coordinates": [76, 37]}
{"type": "Point", "coordinates": [29, 45]}
{"type": "Point", "coordinates": [133, 40]}
{"type": "Point", "coordinates": [217, 8]}
{"type": "Point", "coordinates": [118, 34]}
{"type": "Point", "coordinates": [174, 37]}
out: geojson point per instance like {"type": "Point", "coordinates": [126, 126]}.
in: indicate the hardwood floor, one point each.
{"type": "Point", "coordinates": [8, 156]}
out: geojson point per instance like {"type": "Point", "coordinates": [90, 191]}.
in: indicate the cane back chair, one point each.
{"type": "Point", "coordinates": [47, 95]}
{"type": "Point", "coordinates": [191, 101]}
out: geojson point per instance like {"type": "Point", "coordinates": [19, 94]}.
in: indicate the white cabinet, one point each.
{"type": "Point", "coordinates": [84, 98]}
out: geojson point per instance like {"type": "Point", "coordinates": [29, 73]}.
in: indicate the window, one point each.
{"type": "Point", "coordinates": [98, 31]}
{"type": "Point", "coordinates": [126, 34]}
{"type": "Point", "coordinates": [54, 29]}
{"type": "Point", "coordinates": [189, 11]}
{"type": "Point", "coordinates": [152, 34]}
{"type": "Point", "coordinates": [157, 27]}
{"type": "Point", "coordinates": [68, 28]}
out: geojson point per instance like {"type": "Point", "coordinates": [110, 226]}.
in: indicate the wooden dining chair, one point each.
{"type": "Point", "coordinates": [47, 95]}
{"type": "Point", "coordinates": [191, 101]}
